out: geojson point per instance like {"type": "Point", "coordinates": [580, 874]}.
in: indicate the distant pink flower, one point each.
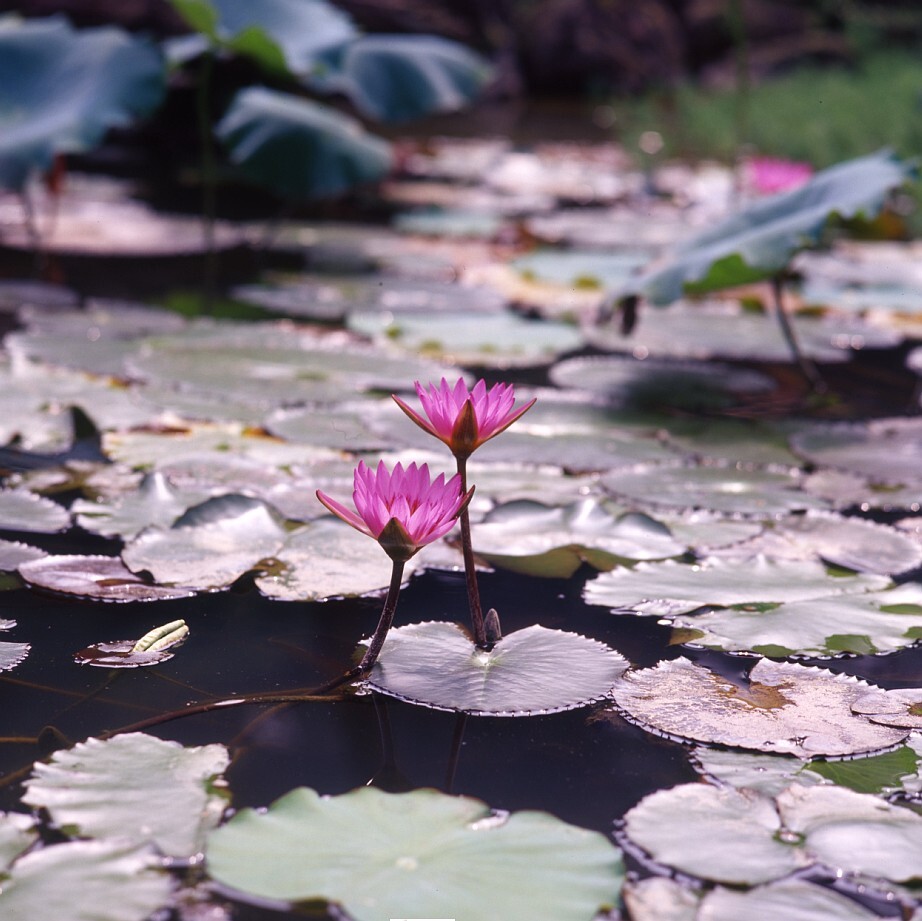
{"type": "Point", "coordinates": [403, 511]}
{"type": "Point", "coordinates": [465, 419]}
{"type": "Point", "coordinates": [769, 175]}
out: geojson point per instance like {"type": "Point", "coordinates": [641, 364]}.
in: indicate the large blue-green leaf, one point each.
{"type": "Point", "coordinates": [61, 89]}
{"type": "Point", "coordinates": [298, 148]}
{"type": "Point", "coordinates": [422, 854]}
{"type": "Point", "coordinates": [400, 77]}
{"type": "Point", "coordinates": [759, 241]}
{"type": "Point", "coordinates": [278, 34]}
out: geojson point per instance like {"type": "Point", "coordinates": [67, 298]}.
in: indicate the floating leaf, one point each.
{"type": "Point", "coordinates": [13, 554]}
{"type": "Point", "coordinates": [134, 787]}
{"type": "Point", "coordinates": [384, 855]}
{"type": "Point", "coordinates": [784, 708]}
{"type": "Point", "coordinates": [731, 836]}
{"type": "Point", "coordinates": [897, 707]}
{"type": "Point", "coordinates": [668, 588]}
{"type": "Point", "coordinates": [659, 898]}
{"type": "Point", "coordinates": [210, 546]}
{"type": "Point", "coordinates": [102, 78]}
{"type": "Point", "coordinates": [760, 240]}
{"type": "Point", "coordinates": [17, 833]}
{"type": "Point", "coordinates": [863, 546]}
{"type": "Point", "coordinates": [118, 880]}
{"type": "Point", "coordinates": [887, 451]}
{"type": "Point", "coordinates": [765, 492]}
{"type": "Point", "coordinates": [530, 671]}
{"type": "Point", "coordinates": [501, 341]}
{"type": "Point", "coordinates": [554, 542]}
{"type": "Point", "coordinates": [877, 774]}
{"type": "Point", "coordinates": [21, 510]}
{"type": "Point", "coordinates": [766, 774]}
{"type": "Point", "coordinates": [11, 654]}
{"type": "Point", "coordinates": [297, 148]}
{"type": "Point", "coordinates": [154, 647]}
{"type": "Point", "coordinates": [156, 502]}
{"type": "Point", "coordinates": [103, 578]}
{"type": "Point", "coordinates": [793, 900]}
{"type": "Point", "coordinates": [864, 624]}
{"type": "Point", "coordinates": [328, 559]}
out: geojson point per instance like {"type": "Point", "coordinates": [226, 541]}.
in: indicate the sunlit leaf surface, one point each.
{"type": "Point", "coordinates": [782, 708]}
{"type": "Point", "coordinates": [382, 855]}
{"type": "Point", "coordinates": [793, 900]}
{"type": "Point", "coordinates": [134, 787]}
{"type": "Point", "coordinates": [118, 881]}
{"type": "Point", "coordinates": [535, 670]}
{"type": "Point", "coordinates": [17, 832]}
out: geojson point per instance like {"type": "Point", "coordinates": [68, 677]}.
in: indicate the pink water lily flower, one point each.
{"type": "Point", "coordinates": [402, 510]}
{"type": "Point", "coordinates": [464, 419]}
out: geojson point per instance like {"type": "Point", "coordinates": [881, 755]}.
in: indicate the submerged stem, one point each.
{"type": "Point", "coordinates": [470, 571]}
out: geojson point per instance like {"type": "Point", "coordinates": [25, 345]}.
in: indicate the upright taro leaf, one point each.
{"type": "Point", "coordinates": [759, 241]}
{"type": "Point", "coordinates": [277, 34]}
{"type": "Point", "coordinates": [298, 148]}
{"type": "Point", "coordinates": [401, 77]}
{"type": "Point", "coordinates": [61, 89]}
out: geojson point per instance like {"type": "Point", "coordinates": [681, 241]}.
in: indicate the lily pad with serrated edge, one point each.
{"type": "Point", "coordinates": [530, 671]}
{"type": "Point", "coordinates": [554, 542]}
{"type": "Point", "coordinates": [21, 510]}
{"type": "Point", "coordinates": [669, 587]}
{"type": "Point", "coordinates": [156, 502]}
{"type": "Point", "coordinates": [659, 898]}
{"type": "Point", "coordinates": [329, 559]}
{"type": "Point", "coordinates": [862, 624]}
{"type": "Point", "coordinates": [783, 708]}
{"type": "Point", "coordinates": [341, 427]}
{"type": "Point", "coordinates": [887, 451]}
{"type": "Point", "coordinates": [103, 578]}
{"type": "Point", "coordinates": [728, 489]}
{"type": "Point", "coordinates": [845, 490]}
{"type": "Point", "coordinates": [210, 546]}
{"type": "Point", "coordinates": [121, 881]}
{"type": "Point", "coordinates": [852, 543]}
{"type": "Point", "coordinates": [17, 833]}
{"type": "Point", "coordinates": [11, 654]}
{"type": "Point", "coordinates": [792, 900]}
{"type": "Point", "coordinates": [751, 443]}
{"type": "Point", "coordinates": [500, 341]}
{"type": "Point", "coordinates": [13, 554]}
{"type": "Point", "coordinates": [384, 855]}
{"type": "Point", "coordinates": [895, 707]}
{"type": "Point", "coordinates": [135, 787]}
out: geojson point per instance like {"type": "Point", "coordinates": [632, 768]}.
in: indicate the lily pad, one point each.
{"type": "Point", "coordinates": [864, 624]}
{"type": "Point", "coordinates": [118, 880]}
{"type": "Point", "coordinates": [11, 654]}
{"type": "Point", "coordinates": [103, 578]}
{"type": "Point", "coordinates": [13, 554]}
{"type": "Point", "coordinates": [793, 900]}
{"type": "Point", "coordinates": [210, 546]}
{"type": "Point", "coordinates": [554, 542]}
{"type": "Point", "coordinates": [156, 502]}
{"type": "Point", "coordinates": [900, 707]}
{"type": "Point", "coordinates": [383, 855]}
{"type": "Point", "coordinates": [17, 833]}
{"type": "Point", "coordinates": [669, 588]}
{"type": "Point", "coordinates": [863, 546]}
{"type": "Point", "coordinates": [133, 787]}
{"type": "Point", "coordinates": [329, 559]}
{"type": "Point", "coordinates": [21, 510]}
{"type": "Point", "coordinates": [887, 451]}
{"type": "Point", "coordinates": [500, 341]}
{"type": "Point", "coordinates": [530, 671]}
{"type": "Point", "coordinates": [783, 708]}
{"type": "Point", "coordinates": [766, 774]}
{"type": "Point", "coordinates": [729, 489]}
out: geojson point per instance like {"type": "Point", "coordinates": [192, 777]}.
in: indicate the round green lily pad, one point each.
{"type": "Point", "coordinates": [414, 855]}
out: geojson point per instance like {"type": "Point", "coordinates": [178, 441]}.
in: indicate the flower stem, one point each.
{"type": "Point", "coordinates": [384, 624]}
{"type": "Point", "coordinates": [467, 549]}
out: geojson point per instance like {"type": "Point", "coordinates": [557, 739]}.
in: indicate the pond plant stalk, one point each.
{"type": "Point", "coordinates": [464, 419]}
